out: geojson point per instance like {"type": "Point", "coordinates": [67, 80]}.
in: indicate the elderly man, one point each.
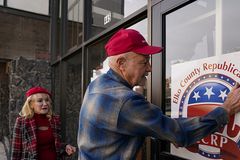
{"type": "Point", "coordinates": [114, 119]}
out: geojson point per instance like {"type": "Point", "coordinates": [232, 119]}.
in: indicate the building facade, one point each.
{"type": "Point", "coordinates": [71, 35]}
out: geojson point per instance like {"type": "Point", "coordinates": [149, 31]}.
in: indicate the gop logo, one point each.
{"type": "Point", "coordinates": [202, 96]}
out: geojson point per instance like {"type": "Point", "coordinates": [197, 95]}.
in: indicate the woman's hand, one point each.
{"type": "Point", "coordinates": [70, 149]}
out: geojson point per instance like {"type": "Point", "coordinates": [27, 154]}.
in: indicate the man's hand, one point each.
{"type": "Point", "coordinates": [232, 103]}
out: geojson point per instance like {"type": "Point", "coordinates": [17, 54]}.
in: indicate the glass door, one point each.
{"type": "Point", "coordinates": [200, 40]}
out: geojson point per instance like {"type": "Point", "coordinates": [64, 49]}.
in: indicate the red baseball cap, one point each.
{"type": "Point", "coordinates": [35, 90]}
{"type": "Point", "coordinates": [129, 40]}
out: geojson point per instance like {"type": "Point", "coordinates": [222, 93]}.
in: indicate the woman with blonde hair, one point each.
{"type": "Point", "coordinates": [36, 133]}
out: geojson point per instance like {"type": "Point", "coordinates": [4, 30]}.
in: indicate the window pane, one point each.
{"type": "Point", "coordinates": [37, 6]}
{"type": "Point", "coordinates": [131, 6]}
{"type": "Point", "coordinates": [56, 55]}
{"type": "Point", "coordinates": [1, 2]}
{"type": "Point", "coordinates": [97, 63]}
{"type": "Point", "coordinates": [230, 26]}
{"type": "Point", "coordinates": [23, 36]}
{"type": "Point", "coordinates": [201, 31]}
{"type": "Point", "coordinates": [210, 32]}
{"type": "Point", "coordinates": [56, 88]}
{"type": "Point", "coordinates": [75, 19]}
{"type": "Point", "coordinates": [72, 98]}
{"type": "Point", "coordinates": [106, 13]}
{"type": "Point", "coordinates": [197, 20]}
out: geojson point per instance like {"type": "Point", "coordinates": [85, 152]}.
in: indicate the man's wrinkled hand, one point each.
{"type": "Point", "coordinates": [232, 103]}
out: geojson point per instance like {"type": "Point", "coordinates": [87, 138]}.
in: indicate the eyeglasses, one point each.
{"type": "Point", "coordinates": [144, 62]}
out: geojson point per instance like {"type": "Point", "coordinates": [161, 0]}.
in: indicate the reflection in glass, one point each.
{"type": "Point", "coordinates": [199, 30]}
{"type": "Point", "coordinates": [75, 19]}
{"type": "Point", "coordinates": [106, 13]}
{"type": "Point", "coordinates": [230, 26]}
{"type": "Point", "coordinates": [97, 62]}
{"type": "Point", "coordinates": [131, 6]}
{"type": "Point", "coordinates": [197, 21]}
{"type": "Point", "coordinates": [56, 56]}
{"type": "Point", "coordinates": [100, 70]}
{"type": "Point", "coordinates": [72, 97]}
{"type": "Point", "coordinates": [56, 88]}
{"type": "Point", "coordinates": [23, 36]}
{"type": "Point", "coordinates": [36, 6]}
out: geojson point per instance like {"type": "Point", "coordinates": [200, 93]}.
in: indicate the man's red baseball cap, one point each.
{"type": "Point", "coordinates": [129, 40]}
{"type": "Point", "coordinates": [35, 90]}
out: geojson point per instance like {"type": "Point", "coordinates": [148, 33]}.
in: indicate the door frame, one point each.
{"type": "Point", "coordinates": [159, 8]}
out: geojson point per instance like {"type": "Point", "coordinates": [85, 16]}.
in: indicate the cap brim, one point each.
{"type": "Point", "coordinates": [148, 50]}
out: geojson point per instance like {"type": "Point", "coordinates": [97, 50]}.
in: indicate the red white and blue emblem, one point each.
{"type": "Point", "coordinates": [199, 98]}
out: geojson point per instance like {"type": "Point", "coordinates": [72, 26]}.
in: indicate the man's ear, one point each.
{"type": "Point", "coordinates": [121, 63]}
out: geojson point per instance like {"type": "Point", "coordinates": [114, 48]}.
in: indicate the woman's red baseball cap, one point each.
{"type": "Point", "coordinates": [129, 40]}
{"type": "Point", "coordinates": [35, 90]}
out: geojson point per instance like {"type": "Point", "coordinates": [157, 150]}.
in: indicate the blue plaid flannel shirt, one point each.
{"type": "Point", "coordinates": [114, 120]}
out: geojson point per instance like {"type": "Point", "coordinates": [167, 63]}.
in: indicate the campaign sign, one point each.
{"type": "Point", "coordinates": [198, 87]}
